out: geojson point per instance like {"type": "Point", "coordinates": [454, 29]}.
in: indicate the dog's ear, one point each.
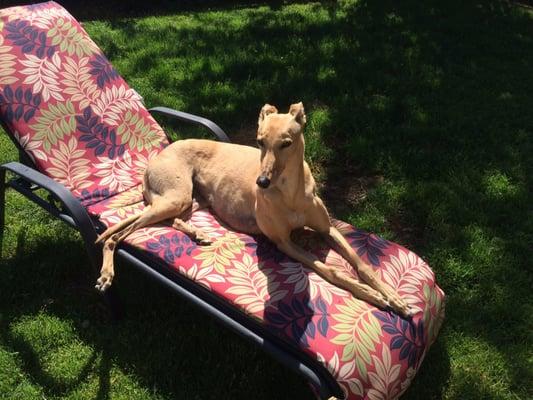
{"type": "Point", "coordinates": [267, 109]}
{"type": "Point", "coordinates": [298, 112]}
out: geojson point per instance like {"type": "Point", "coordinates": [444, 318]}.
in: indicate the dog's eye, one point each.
{"type": "Point", "coordinates": [285, 144]}
{"type": "Point", "coordinates": [260, 142]}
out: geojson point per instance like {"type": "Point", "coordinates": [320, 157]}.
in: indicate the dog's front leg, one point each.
{"type": "Point", "coordinates": [339, 243]}
{"type": "Point", "coordinates": [317, 218]}
{"type": "Point", "coordinates": [333, 275]}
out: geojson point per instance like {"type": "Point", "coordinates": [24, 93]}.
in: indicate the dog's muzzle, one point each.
{"type": "Point", "coordinates": [263, 182]}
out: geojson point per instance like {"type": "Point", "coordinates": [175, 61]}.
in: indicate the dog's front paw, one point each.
{"type": "Point", "coordinates": [202, 239]}
{"type": "Point", "coordinates": [401, 307]}
{"type": "Point", "coordinates": [104, 282]}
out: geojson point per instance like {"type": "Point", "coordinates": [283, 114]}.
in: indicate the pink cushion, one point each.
{"type": "Point", "coordinates": [77, 119]}
{"type": "Point", "coordinates": [83, 126]}
{"type": "Point", "coordinates": [372, 353]}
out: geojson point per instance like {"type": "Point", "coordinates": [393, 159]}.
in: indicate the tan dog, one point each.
{"type": "Point", "coordinates": [268, 190]}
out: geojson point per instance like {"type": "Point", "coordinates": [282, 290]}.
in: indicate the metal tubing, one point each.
{"type": "Point", "coordinates": [194, 119]}
{"type": "Point", "coordinates": [326, 387]}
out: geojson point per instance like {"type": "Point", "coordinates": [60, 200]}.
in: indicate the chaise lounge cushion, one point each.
{"type": "Point", "coordinates": [372, 353]}
{"type": "Point", "coordinates": [83, 126]}
{"type": "Point", "coordinates": [67, 106]}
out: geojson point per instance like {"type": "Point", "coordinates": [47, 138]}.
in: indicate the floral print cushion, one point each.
{"type": "Point", "coordinates": [373, 354]}
{"type": "Point", "coordinates": [66, 105]}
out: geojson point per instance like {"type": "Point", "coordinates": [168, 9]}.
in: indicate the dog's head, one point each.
{"type": "Point", "coordinates": [280, 138]}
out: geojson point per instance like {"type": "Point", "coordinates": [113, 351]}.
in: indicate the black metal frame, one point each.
{"type": "Point", "coordinates": [27, 180]}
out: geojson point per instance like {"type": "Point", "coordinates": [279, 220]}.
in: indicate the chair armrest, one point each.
{"type": "Point", "coordinates": [76, 215]}
{"type": "Point", "coordinates": [194, 119]}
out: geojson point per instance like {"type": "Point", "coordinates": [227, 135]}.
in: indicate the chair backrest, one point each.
{"type": "Point", "coordinates": [68, 108]}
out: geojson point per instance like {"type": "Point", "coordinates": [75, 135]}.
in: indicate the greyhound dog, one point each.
{"type": "Point", "coordinates": [269, 190]}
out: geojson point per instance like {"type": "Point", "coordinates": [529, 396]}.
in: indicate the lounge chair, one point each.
{"type": "Point", "coordinates": [85, 137]}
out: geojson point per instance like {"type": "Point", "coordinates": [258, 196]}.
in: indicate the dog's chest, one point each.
{"type": "Point", "coordinates": [296, 219]}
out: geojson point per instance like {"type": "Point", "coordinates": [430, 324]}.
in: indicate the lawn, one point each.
{"type": "Point", "coordinates": [420, 129]}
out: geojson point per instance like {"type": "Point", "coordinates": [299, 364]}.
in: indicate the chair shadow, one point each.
{"type": "Point", "coordinates": [161, 339]}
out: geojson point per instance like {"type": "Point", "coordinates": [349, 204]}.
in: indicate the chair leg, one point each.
{"type": "Point", "coordinates": [113, 302]}
{"type": "Point", "coordinates": [110, 296]}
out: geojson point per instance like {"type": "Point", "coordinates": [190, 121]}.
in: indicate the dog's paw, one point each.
{"type": "Point", "coordinates": [202, 239]}
{"type": "Point", "coordinates": [401, 307]}
{"type": "Point", "coordinates": [104, 282]}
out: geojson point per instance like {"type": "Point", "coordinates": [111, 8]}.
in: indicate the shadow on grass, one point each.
{"type": "Point", "coordinates": [433, 98]}
{"type": "Point", "coordinates": [111, 10]}
{"type": "Point", "coordinates": [162, 342]}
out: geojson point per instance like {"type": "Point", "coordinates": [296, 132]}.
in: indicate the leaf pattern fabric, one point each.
{"type": "Point", "coordinates": [82, 125]}
{"type": "Point", "coordinates": [57, 90]}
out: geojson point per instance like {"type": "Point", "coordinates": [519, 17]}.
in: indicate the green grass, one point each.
{"type": "Point", "coordinates": [420, 129]}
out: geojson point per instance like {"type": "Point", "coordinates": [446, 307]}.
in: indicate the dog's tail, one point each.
{"type": "Point", "coordinates": [118, 227]}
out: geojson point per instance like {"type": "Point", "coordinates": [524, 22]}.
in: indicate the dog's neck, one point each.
{"type": "Point", "coordinates": [291, 182]}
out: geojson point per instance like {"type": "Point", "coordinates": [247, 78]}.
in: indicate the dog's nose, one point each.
{"type": "Point", "coordinates": [263, 182]}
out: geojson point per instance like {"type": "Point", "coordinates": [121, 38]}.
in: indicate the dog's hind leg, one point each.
{"type": "Point", "coordinates": [117, 227]}
{"type": "Point", "coordinates": [195, 234]}
{"type": "Point", "coordinates": [161, 209]}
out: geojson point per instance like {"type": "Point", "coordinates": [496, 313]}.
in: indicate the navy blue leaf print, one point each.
{"type": "Point", "coordinates": [9, 115]}
{"type": "Point", "coordinates": [168, 256]}
{"type": "Point", "coordinates": [99, 137]}
{"type": "Point", "coordinates": [311, 329]}
{"type": "Point", "coordinates": [321, 305]}
{"type": "Point", "coordinates": [397, 342]}
{"type": "Point", "coordinates": [297, 319]}
{"type": "Point", "coordinates": [18, 112]}
{"type": "Point", "coordinates": [19, 104]}
{"type": "Point", "coordinates": [323, 326]}
{"type": "Point", "coordinates": [154, 246]}
{"type": "Point", "coordinates": [406, 337]}
{"type": "Point", "coordinates": [18, 94]}
{"type": "Point", "coordinates": [173, 247]}
{"type": "Point", "coordinates": [100, 149]}
{"type": "Point", "coordinates": [369, 244]}
{"type": "Point", "coordinates": [88, 197]}
{"type": "Point", "coordinates": [102, 70]}
{"type": "Point", "coordinates": [8, 92]}
{"type": "Point", "coordinates": [382, 317]}
{"type": "Point", "coordinates": [28, 96]}
{"type": "Point", "coordinates": [29, 38]}
{"type": "Point", "coordinates": [405, 350]}
{"type": "Point", "coordinates": [390, 330]}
